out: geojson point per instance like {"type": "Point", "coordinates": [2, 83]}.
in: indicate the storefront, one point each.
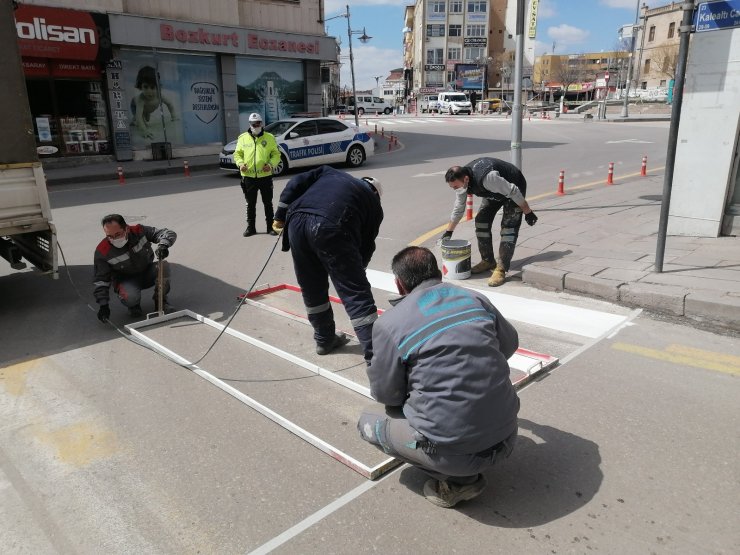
{"type": "Point", "coordinates": [192, 86]}
{"type": "Point", "coordinates": [63, 53]}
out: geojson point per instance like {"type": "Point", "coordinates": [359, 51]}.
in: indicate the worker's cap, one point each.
{"type": "Point", "coordinates": [255, 117]}
{"type": "Point", "coordinates": [375, 184]}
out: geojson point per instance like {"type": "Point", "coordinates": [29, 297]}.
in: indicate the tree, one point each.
{"type": "Point", "coordinates": [570, 72]}
{"type": "Point", "coordinates": [665, 59]}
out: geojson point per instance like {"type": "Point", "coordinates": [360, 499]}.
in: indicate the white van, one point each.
{"type": "Point", "coordinates": [370, 104]}
{"type": "Point", "coordinates": [429, 103]}
{"type": "Point", "coordinates": [454, 103]}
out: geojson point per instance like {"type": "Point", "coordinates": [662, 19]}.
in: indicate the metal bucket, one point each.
{"type": "Point", "coordinates": [456, 255]}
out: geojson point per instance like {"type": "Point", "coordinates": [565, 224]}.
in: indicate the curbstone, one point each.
{"type": "Point", "coordinates": [660, 298]}
{"type": "Point", "coordinates": [599, 287]}
{"type": "Point", "coordinates": [717, 309]}
{"type": "Point", "coordinates": [544, 277]}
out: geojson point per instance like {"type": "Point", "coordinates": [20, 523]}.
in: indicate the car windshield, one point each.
{"type": "Point", "coordinates": [457, 98]}
{"type": "Point", "coordinates": [279, 127]}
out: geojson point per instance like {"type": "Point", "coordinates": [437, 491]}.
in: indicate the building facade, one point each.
{"type": "Point", "coordinates": [463, 45]}
{"type": "Point", "coordinates": [586, 76]}
{"type": "Point", "coordinates": [116, 77]}
{"type": "Point", "coordinates": [656, 47]}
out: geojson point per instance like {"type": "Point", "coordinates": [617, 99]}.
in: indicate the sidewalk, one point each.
{"type": "Point", "coordinates": [601, 241]}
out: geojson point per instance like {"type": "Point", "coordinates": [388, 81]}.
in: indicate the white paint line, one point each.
{"type": "Point", "coordinates": [319, 515]}
{"type": "Point", "coordinates": [579, 321]}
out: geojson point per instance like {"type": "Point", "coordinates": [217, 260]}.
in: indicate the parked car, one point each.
{"type": "Point", "coordinates": [454, 103]}
{"type": "Point", "coordinates": [312, 142]}
{"type": "Point", "coordinates": [370, 104]}
{"type": "Point", "coordinates": [429, 103]}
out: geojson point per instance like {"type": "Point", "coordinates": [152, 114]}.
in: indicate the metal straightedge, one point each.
{"type": "Point", "coordinates": [368, 472]}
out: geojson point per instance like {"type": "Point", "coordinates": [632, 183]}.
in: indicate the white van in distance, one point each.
{"type": "Point", "coordinates": [454, 103]}
{"type": "Point", "coordinates": [369, 104]}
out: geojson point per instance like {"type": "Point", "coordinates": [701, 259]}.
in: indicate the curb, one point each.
{"type": "Point", "coordinates": [112, 175]}
{"type": "Point", "coordinates": [716, 309]}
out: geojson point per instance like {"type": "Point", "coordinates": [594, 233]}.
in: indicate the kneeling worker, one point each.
{"type": "Point", "coordinates": [500, 184]}
{"type": "Point", "coordinates": [125, 260]}
{"type": "Point", "coordinates": [440, 368]}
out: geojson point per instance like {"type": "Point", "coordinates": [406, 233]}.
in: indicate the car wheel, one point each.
{"type": "Point", "coordinates": [355, 156]}
{"type": "Point", "coordinates": [387, 111]}
{"type": "Point", "coordinates": [282, 166]}
{"type": "Point", "coordinates": [360, 111]}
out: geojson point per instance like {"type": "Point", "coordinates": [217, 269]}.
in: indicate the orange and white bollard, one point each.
{"type": "Point", "coordinates": [390, 143]}
{"type": "Point", "coordinates": [469, 208]}
{"type": "Point", "coordinates": [561, 183]}
{"type": "Point", "coordinates": [121, 179]}
{"type": "Point", "coordinates": [643, 169]}
{"type": "Point", "coordinates": [187, 168]}
{"type": "Point", "coordinates": [382, 131]}
{"type": "Point", "coordinates": [610, 175]}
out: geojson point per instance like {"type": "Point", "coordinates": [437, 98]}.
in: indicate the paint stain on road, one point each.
{"type": "Point", "coordinates": [13, 378]}
{"type": "Point", "coordinates": [79, 444]}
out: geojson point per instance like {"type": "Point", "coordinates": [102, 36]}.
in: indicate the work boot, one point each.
{"type": "Point", "coordinates": [249, 231]}
{"type": "Point", "coordinates": [337, 341]}
{"type": "Point", "coordinates": [135, 311]}
{"type": "Point", "coordinates": [482, 266]}
{"type": "Point", "coordinates": [448, 494]}
{"type": "Point", "coordinates": [498, 277]}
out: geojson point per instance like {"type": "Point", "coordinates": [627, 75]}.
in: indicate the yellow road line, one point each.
{"type": "Point", "coordinates": [711, 361]}
{"type": "Point", "coordinates": [705, 355]}
{"type": "Point", "coordinates": [429, 234]}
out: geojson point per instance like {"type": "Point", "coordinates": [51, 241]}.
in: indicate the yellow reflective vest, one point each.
{"type": "Point", "coordinates": [255, 152]}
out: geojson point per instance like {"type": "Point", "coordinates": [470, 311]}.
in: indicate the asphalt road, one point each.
{"type": "Point", "coordinates": [630, 446]}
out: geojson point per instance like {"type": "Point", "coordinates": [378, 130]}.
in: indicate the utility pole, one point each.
{"type": "Point", "coordinates": [516, 110]}
{"type": "Point", "coordinates": [625, 110]}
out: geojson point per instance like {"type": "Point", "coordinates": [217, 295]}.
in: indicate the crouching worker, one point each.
{"type": "Point", "coordinates": [331, 220]}
{"type": "Point", "coordinates": [440, 375]}
{"type": "Point", "coordinates": [125, 260]}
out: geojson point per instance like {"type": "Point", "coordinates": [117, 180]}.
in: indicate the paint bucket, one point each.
{"type": "Point", "coordinates": [456, 258]}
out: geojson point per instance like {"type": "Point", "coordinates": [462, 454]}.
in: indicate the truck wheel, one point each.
{"type": "Point", "coordinates": [355, 156]}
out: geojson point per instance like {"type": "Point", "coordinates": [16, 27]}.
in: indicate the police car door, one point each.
{"type": "Point", "coordinates": [303, 145]}
{"type": "Point", "coordinates": [335, 138]}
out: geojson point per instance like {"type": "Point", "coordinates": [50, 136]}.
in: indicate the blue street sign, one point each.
{"type": "Point", "coordinates": [712, 16]}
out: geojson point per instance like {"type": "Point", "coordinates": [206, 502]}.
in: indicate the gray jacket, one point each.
{"type": "Point", "coordinates": [441, 353]}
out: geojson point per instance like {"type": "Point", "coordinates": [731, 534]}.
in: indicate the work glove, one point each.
{"type": "Point", "coordinates": [103, 313]}
{"type": "Point", "coordinates": [446, 235]}
{"type": "Point", "coordinates": [531, 218]}
{"type": "Point", "coordinates": [277, 226]}
{"type": "Point", "coordinates": [163, 251]}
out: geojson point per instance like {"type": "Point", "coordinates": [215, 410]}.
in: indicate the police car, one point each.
{"type": "Point", "coordinates": [312, 142]}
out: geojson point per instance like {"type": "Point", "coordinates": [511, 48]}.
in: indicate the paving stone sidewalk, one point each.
{"type": "Point", "coordinates": [602, 242]}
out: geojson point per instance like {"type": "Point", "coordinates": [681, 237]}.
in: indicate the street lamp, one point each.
{"type": "Point", "coordinates": [625, 110]}
{"type": "Point", "coordinates": [363, 39]}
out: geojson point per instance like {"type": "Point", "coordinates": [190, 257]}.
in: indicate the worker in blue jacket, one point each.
{"type": "Point", "coordinates": [331, 220]}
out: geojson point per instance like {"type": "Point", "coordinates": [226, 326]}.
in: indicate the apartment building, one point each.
{"type": "Point", "coordinates": [656, 46]}
{"type": "Point", "coordinates": [462, 45]}
{"type": "Point", "coordinates": [114, 77]}
{"type": "Point", "coordinates": [584, 75]}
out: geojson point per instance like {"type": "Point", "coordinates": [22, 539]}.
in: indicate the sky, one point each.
{"type": "Point", "coordinates": [575, 26]}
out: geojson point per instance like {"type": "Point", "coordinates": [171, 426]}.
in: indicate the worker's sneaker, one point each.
{"type": "Point", "coordinates": [482, 266]}
{"type": "Point", "coordinates": [447, 494]}
{"type": "Point", "coordinates": [498, 277]}
{"type": "Point", "coordinates": [135, 311]}
{"type": "Point", "coordinates": [337, 341]}
{"type": "Point", "coordinates": [249, 232]}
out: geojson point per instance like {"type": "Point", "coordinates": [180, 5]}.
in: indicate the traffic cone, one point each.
{"type": "Point", "coordinates": [469, 208]}
{"type": "Point", "coordinates": [643, 169]}
{"type": "Point", "coordinates": [610, 175]}
{"type": "Point", "coordinates": [121, 179]}
{"type": "Point", "coordinates": [561, 183]}
{"type": "Point", "coordinates": [187, 168]}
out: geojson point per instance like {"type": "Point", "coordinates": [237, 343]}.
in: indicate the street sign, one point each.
{"type": "Point", "coordinates": [714, 16]}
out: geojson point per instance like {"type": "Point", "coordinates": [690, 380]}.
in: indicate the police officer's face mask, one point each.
{"type": "Point", "coordinates": [256, 128]}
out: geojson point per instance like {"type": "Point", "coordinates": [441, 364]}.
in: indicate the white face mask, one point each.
{"type": "Point", "coordinates": [256, 129]}
{"type": "Point", "coordinates": [118, 243]}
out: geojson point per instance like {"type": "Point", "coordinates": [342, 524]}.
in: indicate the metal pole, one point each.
{"type": "Point", "coordinates": [683, 54]}
{"type": "Point", "coordinates": [625, 110]}
{"type": "Point", "coordinates": [352, 68]}
{"type": "Point", "coordinates": [516, 111]}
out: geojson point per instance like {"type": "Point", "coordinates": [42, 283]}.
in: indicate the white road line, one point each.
{"type": "Point", "coordinates": [579, 321]}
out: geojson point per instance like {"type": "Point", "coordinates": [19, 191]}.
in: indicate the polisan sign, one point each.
{"type": "Point", "coordinates": [56, 33]}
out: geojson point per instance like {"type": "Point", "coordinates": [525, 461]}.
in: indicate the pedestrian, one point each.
{"type": "Point", "coordinates": [500, 184]}
{"type": "Point", "coordinates": [125, 260]}
{"type": "Point", "coordinates": [256, 156]}
{"type": "Point", "coordinates": [473, 99]}
{"type": "Point", "coordinates": [440, 375]}
{"type": "Point", "coordinates": [331, 220]}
